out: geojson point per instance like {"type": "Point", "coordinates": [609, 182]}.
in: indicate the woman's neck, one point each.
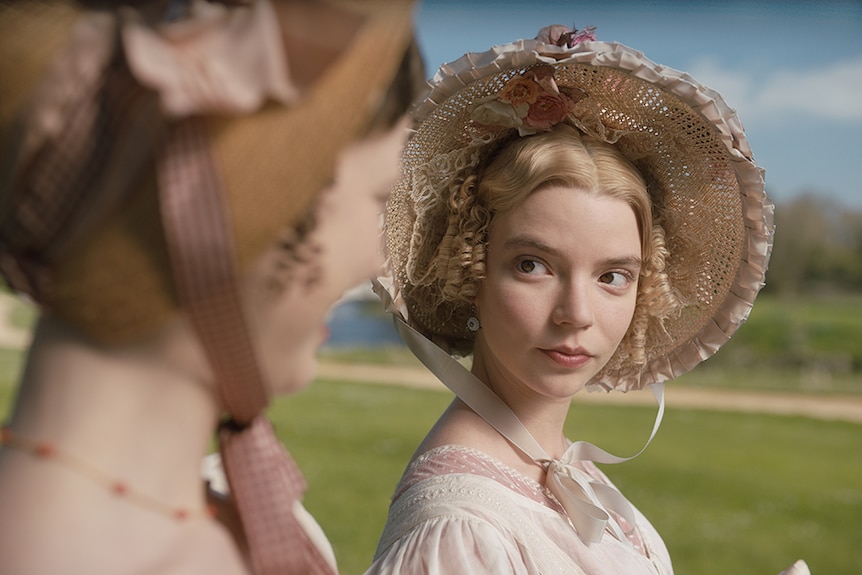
{"type": "Point", "coordinates": [121, 490]}
{"type": "Point", "coordinates": [128, 412]}
{"type": "Point", "coordinates": [543, 417]}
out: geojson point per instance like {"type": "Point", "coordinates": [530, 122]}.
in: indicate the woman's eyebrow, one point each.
{"type": "Point", "coordinates": [526, 241]}
{"type": "Point", "coordinates": [625, 261]}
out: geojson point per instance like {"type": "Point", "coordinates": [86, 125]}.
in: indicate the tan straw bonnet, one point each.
{"type": "Point", "coordinates": [104, 265]}
{"type": "Point", "coordinates": [685, 140]}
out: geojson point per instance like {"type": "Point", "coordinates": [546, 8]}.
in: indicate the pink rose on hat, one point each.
{"type": "Point", "coordinates": [519, 90]}
{"type": "Point", "coordinates": [547, 111]}
{"type": "Point", "coordinates": [531, 102]}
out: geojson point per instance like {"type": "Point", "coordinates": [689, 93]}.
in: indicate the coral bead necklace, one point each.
{"type": "Point", "coordinates": [46, 451]}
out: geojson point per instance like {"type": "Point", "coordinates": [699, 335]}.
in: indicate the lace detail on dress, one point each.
{"type": "Point", "coordinates": [456, 459]}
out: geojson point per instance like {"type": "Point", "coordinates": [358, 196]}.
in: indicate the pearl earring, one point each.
{"type": "Point", "coordinates": [473, 322]}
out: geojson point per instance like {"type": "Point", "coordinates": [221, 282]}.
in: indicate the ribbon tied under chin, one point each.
{"type": "Point", "coordinates": [591, 505]}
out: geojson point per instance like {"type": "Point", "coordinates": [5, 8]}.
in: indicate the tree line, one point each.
{"type": "Point", "coordinates": [818, 248]}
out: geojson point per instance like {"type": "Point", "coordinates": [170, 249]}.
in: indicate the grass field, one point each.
{"type": "Point", "coordinates": [729, 492]}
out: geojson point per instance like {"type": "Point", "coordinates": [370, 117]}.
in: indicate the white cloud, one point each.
{"type": "Point", "coordinates": [831, 92]}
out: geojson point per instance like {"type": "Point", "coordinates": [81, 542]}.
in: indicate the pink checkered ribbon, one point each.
{"type": "Point", "coordinates": [278, 543]}
{"type": "Point", "coordinates": [201, 247]}
{"type": "Point", "coordinates": [265, 483]}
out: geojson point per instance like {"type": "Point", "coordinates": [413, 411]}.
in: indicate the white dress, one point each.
{"type": "Point", "coordinates": [458, 510]}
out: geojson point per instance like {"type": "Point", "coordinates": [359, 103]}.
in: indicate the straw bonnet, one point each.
{"type": "Point", "coordinates": [684, 139]}
{"type": "Point", "coordinates": [80, 228]}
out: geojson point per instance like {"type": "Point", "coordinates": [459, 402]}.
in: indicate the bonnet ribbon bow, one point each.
{"type": "Point", "coordinates": [587, 502]}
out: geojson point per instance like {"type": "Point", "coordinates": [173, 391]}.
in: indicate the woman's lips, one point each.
{"type": "Point", "coordinates": [570, 359]}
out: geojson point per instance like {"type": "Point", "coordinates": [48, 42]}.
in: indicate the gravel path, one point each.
{"type": "Point", "coordinates": [831, 407]}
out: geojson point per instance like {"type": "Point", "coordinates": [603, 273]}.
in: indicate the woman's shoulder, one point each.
{"type": "Point", "coordinates": [461, 426]}
{"type": "Point", "coordinates": [202, 546]}
{"type": "Point", "coordinates": [208, 549]}
{"type": "Point", "coordinates": [457, 543]}
{"type": "Point", "coordinates": [460, 512]}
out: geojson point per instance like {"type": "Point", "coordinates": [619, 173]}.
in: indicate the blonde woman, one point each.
{"type": "Point", "coordinates": [573, 216]}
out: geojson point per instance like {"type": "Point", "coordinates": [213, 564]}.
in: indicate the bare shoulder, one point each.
{"type": "Point", "coordinates": [206, 548]}
{"type": "Point", "coordinates": [460, 425]}
{"type": "Point", "coordinates": [76, 546]}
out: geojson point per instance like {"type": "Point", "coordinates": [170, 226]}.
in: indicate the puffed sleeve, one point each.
{"type": "Point", "coordinates": [445, 545]}
{"type": "Point", "coordinates": [798, 568]}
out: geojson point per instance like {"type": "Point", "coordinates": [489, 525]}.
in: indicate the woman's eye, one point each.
{"type": "Point", "coordinates": [530, 267]}
{"type": "Point", "coordinates": [616, 279]}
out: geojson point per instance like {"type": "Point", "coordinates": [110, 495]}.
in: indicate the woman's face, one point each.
{"type": "Point", "coordinates": [291, 325]}
{"type": "Point", "coordinates": [559, 292]}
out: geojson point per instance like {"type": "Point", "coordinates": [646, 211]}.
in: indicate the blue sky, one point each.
{"type": "Point", "coordinates": [792, 70]}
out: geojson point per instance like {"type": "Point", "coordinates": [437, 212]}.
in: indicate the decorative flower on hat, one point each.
{"type": "Point", "coordinates": [532, 101]}
{"type": "Point", "coordinates": [560, 35]}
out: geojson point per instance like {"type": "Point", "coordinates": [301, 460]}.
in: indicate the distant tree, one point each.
{"type": "Point", "coordinates": [818, 247]}
{"type": "Point", "coordinates": [851, 226]}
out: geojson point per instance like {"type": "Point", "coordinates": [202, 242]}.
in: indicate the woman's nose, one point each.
{"type": "Point", "coordinates": [574, 306]}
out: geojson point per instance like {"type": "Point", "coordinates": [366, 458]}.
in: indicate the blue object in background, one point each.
{"type": "Point", "coordinates": [361, 323]}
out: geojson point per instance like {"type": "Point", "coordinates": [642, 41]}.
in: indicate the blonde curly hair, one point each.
{"type": "Point", "coordinates": [522, 165]}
